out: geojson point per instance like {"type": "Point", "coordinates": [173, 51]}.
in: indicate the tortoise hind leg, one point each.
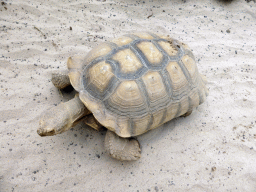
{"type": "Point", "coordinates": [61, 79]}
{"type": "Point", "coordinates": [123, 149]}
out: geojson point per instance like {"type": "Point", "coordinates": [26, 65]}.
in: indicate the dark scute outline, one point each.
{"type": "Point", "coordinates": [159, 66]}
{"type": "Point", "coordinates": [116, 109]}
{"type": "Point", "coordinates": [139, 73]}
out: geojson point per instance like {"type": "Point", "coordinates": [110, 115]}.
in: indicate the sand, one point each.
{"type": "Point", "coordinates": [214, 149]}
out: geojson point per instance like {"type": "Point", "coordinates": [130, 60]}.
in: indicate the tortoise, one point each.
{"type": "Point", "coordinates": [129, 85]}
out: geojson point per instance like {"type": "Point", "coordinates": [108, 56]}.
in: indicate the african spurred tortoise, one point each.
{"type": "Point", "coordinates": [129, 85]}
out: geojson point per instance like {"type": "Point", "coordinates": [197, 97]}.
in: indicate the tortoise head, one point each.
{"type": "Point", "coordinates": [53, 121]}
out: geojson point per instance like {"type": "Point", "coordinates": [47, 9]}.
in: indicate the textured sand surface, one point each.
{"type": "Point", "coordinates": [214, 149]}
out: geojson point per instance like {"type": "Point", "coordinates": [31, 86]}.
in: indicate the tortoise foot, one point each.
{"type": "Point", "coordinates": [123, 149]}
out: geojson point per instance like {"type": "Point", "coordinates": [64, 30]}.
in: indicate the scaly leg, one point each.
{"type": "Point", "coordinates": [60, 79]}
{"type": "Point", "coordinates": [123, 149]}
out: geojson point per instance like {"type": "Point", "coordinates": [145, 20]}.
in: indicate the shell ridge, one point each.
{"type": "Point", "coordinates": [190, 104]}
{"type": "Point", "coordinates": [176, 57]}
{"type": "Point", "coordinates": [106, 57]}
{"type": "Point", "coordinates": [164, 102]}
{"type": "Point", "coordinates": [112, 45]}
{"type": "Point", "coordinates": [162, 64]}
{"type": "Point", "coordinates": [180, 95]}
{"type": "Point", "coordinates": [164, 116]}
{"type": "Point", "coordinates": [197, 75]}
{"type": "Point", "coordinates": [113, 65]}
{"type": "Point", "coordinates": [117, 109]}
{"type": "Point", "coordinates": [189, 53]}
{"type": "Point", "coordinates": [153, 35]}
{"type": "Point", "coordinates": [127, 76]}
{"type": "Point", "coordinates": [87, 84]}
{"type": "Point", "coordinates": [150, 123]}
{"type": "Point", "coordinates": [132, 127]}
{"type": "Point", "coordinates": [165, 54]}
{"type": "Point", "coordinates": [178, 111]}
{"type": "Point", "coordinates": [140, 55]}
{"type": "Point", "coordinates": [111, 91]}
{"type": "Point", "coordinates": [94, 61]}
{"type": "Point", "coordinates": [132, 36]}
{"type": "Point", "coordinates": [186, 73]}
{"type": "Point", "coordinates": [142, 86]}
{"type": "Point", "coordinates": [167, 82]}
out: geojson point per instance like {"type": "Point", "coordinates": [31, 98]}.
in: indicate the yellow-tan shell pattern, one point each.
{"type": "Point", "coordinates": [139, 81]}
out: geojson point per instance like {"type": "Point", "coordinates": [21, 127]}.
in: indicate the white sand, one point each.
{"type": "Point", "coordinates": [214, 149]}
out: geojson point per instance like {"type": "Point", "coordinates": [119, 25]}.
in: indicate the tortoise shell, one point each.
{"type": "Point", "coordinates": [137, 82]}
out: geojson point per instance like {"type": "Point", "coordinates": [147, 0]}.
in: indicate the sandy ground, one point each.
{"type": "Point", "coordinates": [214, 149]}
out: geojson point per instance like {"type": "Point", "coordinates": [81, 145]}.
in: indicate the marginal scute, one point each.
{"type": "Point", "coordinates": [123, 40]}
{"type": "Point", "coordinates": [90, 102]}
{"type": "Point", "coordinates": [155, 88]}
{"type": "Point", "coordinates": [123, 127]}
{"type": "Point", "coordinates": [140, 124]}
{"type": "Point", "coordinates": [171, 111]}
{"type": "Point", "coordinates": [127, 98]}
{"type": "Point", "coordinates": [75, 64]}
{"type": "Point", "coordinates": [107, 119]}
{"type": "Point", "coordinates": [184, 106]}
{"type": "Point", "coordinates": [128, 61]}
{"type": "Point", "coordinates": [143, 35]}
{"type": "Point", "coordinates": [100, 50]}
{"type": "Point", "coordinates": [168, 47]}
{"type": "Point", "coordinates": [194, 97]}
{"type": "Point", "coordinates": [100, 75]}
{"type": "Point", "coordinates": [75, 80]}
{"type": "Point", "coordinates": [153, 55]}
{"type": "Point", "coordinates": [157, 118]}
{"type": "Point", "coordinates": [186, 46]}
{"type": "Point", "coordinates": [190, 64]}
{"type": "Point", "coordinates": [166, 37]}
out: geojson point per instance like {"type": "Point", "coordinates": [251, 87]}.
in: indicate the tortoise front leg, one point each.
{"type": "Point", "coordinates": [92, 122]}
{"type": "Point", "coordinates": [187, 113]}
{"type": "Point", "coordinates": [61, 118]}
{"type": "Point", "coordinates": [60, 79]}
{"type": "Point", "coordinates": [123, 149]}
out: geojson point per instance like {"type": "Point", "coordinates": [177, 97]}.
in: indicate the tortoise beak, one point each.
{"type": "Point", "coordinates": [43, 130]}
{"type": "Point", "coordinates": [43, 133]}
